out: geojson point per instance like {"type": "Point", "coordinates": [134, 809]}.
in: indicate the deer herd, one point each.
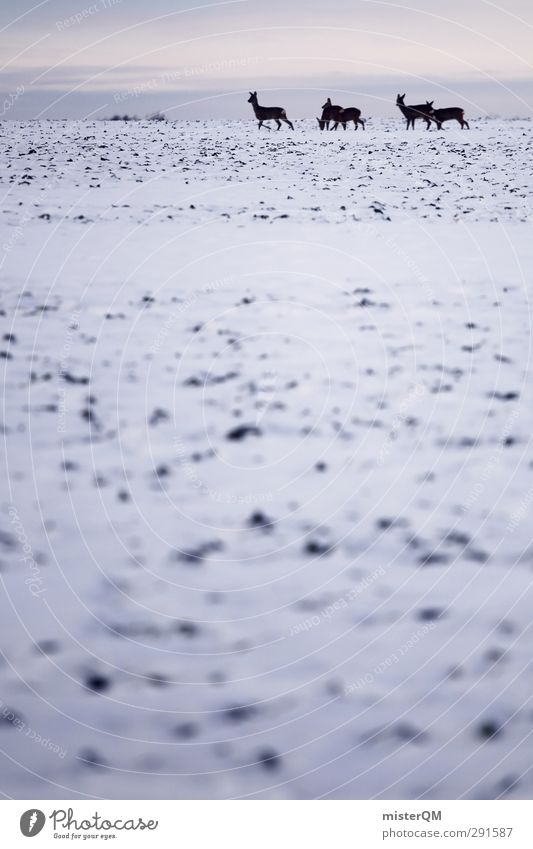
{"type": "Point", "coordinates": [334, 114]}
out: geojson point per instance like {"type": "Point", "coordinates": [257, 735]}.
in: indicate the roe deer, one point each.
{"type": "Point", "coordinates": [329, 112]}
{"type": "Point", "coordinates": [268, 113]}
{"type": "Point", "coordinates": [346, 115]}
{"type": "Point", "coordinates": [451, 113]}
{"type": "Point", "coordinates": [411, 113]}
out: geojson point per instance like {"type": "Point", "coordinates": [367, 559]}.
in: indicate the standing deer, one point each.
{"type": "Point", "coordinates": [451, 113]}
{"type": "Point", "coordinates": [411, 113]}
{"type": "Point", "coordinates": [346, 115]}
{"type": "Point", "coordinates": [268, 113]}
{"type": "Point", "coordinates": [329, 113]}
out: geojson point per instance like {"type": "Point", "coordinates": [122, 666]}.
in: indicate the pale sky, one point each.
{"type": "Point", "coordinates": [81, 58]}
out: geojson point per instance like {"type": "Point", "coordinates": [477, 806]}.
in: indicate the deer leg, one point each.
{"type": "Point", "coordinates": [278, 123]}
{"type": "Point", "coordinates": [260, 124]}
{"type": "Point", "coordinates": [291, 125]}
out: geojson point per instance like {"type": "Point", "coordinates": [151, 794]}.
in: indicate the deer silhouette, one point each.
{"type": "Point", "coordinates": [351, 113]}
{"type": "Point", "coordinates": [451, 113]}
{"type": "Point", "coordinates": [411, 113]}
{"type": "Point", "coordinates": [335, 114]}
{"type": "Point", "coordinates": [268, 113]}
{"type": "Point", "coordinates": [329, 113]}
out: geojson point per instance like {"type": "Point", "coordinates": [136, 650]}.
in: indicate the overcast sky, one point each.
{"type": "Point", "coordinates": [80, 58]}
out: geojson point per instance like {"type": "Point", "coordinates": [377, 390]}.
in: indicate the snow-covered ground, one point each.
{"type": "Point", "coordinates": [267, 412]}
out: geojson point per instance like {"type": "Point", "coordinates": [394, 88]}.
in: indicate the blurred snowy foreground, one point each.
{"type": "Point", "coordinates": [266, 531]}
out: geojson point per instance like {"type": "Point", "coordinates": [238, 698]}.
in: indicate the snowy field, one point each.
{"type": "Point", "coordinates": [267, 404]}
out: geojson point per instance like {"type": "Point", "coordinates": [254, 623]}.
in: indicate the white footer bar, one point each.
{"type": "Point", "coordinates": [269, 824]}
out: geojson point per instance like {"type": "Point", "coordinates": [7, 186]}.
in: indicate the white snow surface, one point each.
{"type": "Point", "coordinates": [266, 528]}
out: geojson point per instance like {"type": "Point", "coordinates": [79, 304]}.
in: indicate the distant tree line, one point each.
{"type": "Point", "coordinates": [155, 116]}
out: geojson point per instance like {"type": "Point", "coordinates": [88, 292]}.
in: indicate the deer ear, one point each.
{"type": "Point", "coordinates": [431, 102]}
{"type": "Point", "coordinates": [255, 93]}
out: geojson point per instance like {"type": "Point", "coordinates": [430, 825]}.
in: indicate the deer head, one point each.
{"type": "Point", "coordinates": [327, 104]}
{"type": "Point", "coordinates": [400, 99]}
{"type": "Point", "coordinates": [429, 104]}
{"type": "Point", "coordinates": [253, 97]}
